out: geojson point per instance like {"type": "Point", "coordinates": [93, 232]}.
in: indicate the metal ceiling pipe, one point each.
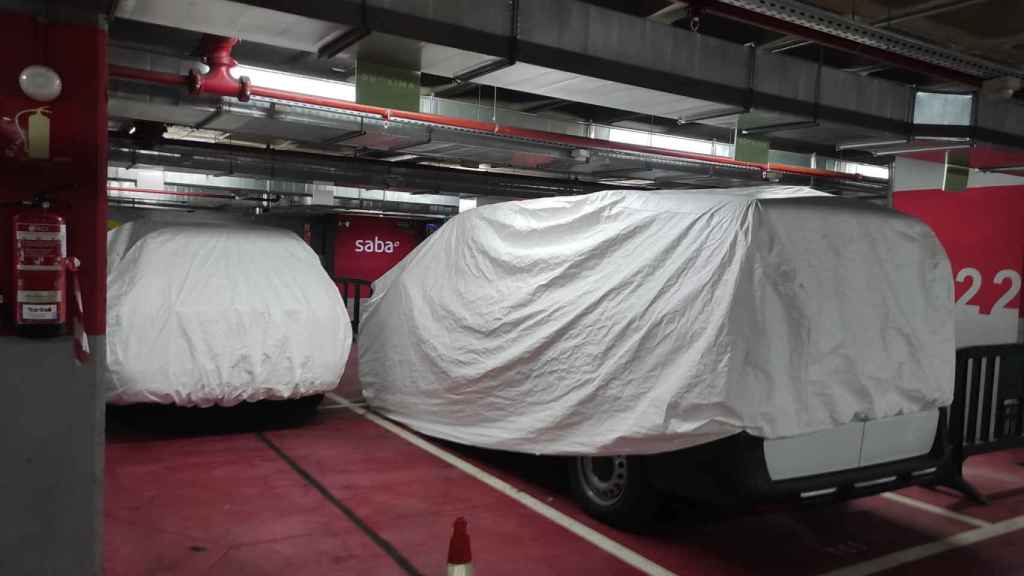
{"type": "Point", "coordinates": [219, 82]}
{"type": "Point", "coordinates": [206, 195]}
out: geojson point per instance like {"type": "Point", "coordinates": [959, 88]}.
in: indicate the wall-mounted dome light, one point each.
{"type": "Point", "coordinates": [40, 83]}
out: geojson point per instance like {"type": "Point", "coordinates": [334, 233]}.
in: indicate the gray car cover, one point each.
{"type": "Point", "coordinates": [206, 314]}
{"type": "Point", "coordinates": [630, 322]}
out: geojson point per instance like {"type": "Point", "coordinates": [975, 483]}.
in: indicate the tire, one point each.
{"type": "Point", "coordinates": [299, 411]}
{"type": "Point", "coordinates": [616, 490]}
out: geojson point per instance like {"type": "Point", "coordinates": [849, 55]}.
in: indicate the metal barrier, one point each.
{"type": "Point", "coordinates": [986, 412]}
{"type": "Point", "coordinates": [358, 283]}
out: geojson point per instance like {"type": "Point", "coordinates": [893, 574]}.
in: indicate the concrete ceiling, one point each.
{"type": "Point", "coordinates": [990, 29]}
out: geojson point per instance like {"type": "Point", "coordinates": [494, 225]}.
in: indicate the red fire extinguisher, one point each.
{"type": "Point", "coordinates": [40, 260]}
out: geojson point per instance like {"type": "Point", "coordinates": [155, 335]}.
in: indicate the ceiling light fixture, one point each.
{"type": "Point", "coordinates": [399, 157]}
{"type": "Point", "coordinates": [914, 149]}
{"type": "Point", "coordinates": [308, 85]}
{"type": "Point", "coordinates": [870, 143]}
{"type": "Point", "coordinates": [40, 83]}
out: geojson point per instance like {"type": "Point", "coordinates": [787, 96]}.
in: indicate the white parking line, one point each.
{"type": "Point", "coordinates": [582, 530]}
{"type": "Point", "coordinates": [323, 407]}
{"type": "Point", "coordinates": [931, 549]}
{"type": "Point", "coordinates": [937, 510]}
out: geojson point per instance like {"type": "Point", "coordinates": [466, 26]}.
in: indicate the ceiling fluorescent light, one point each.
{"type": "Point", "coordinates": [399, 157]}
{"type": "Point", "coordinates": [296, 83]}
{"type": "Point", "coordinates": [913, 149]}
{"type": "Point", "coordinates": [783, 127]}
{"type": "Point", "coordinates": [870, 143]}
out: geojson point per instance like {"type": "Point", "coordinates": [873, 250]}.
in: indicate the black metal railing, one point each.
{"type": "Point", "coordinates": [357, 295]}
{"type": "Point", "coordinates": [986, 412]}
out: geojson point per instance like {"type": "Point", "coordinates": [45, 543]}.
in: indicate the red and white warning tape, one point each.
{"type": "Point", "coordinates": [81, 339]}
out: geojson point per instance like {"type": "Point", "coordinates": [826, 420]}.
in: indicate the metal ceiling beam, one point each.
{"type": "Point", "coordinates": [868, 69]}
{"type": "Point", "coordinates": [544, 105]}
{"type": "Point", "coordinates": [830, 29]}
{"type": "Point", "coordinates": [471, 34]}
{"type": "Point", "coordinates": [922, 10]}
{"type": "Point", "coordinates": [342, 42]}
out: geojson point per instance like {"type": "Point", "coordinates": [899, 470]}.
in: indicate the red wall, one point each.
{"type": "Point", "coordinates": [77, 174]}
{"type": "Point", "coordinates": [367, 247]}
{"type": "Point", "coordinates": [980, 228]}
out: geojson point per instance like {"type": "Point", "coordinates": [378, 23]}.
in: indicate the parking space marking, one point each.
{"type": "Point", "coordinates": [385, 546]}
{"type": "Point", "coordinates": [582, 530]}
{"type": "Point", "coordinates": [909, 555]}
{"type": "Point", "coordinates": [937, 510]}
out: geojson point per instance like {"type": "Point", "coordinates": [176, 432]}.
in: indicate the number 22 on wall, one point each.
{"type": "Point", "coordinates": [972, 277]}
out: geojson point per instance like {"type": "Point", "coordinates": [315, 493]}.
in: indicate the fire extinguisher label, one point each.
{"type": "Point", "coordinates": [40, 249]}
{"type": "Point", "coordinates": [39, 235]}
{"type": "Point", "coordinates": [39, 311]}
{"type": "Point", "coordinates": [37, 296]}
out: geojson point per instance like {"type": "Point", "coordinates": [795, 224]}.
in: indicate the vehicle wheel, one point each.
{"type": "Point", "coordinates": [301, 410]}
{"type": "Point", "coordinates": [614, 489]}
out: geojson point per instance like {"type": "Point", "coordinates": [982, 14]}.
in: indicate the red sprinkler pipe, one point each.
{"type": "Point", "coordinates": [219, 82]}
{"type": "Point", "coordinates": [217, 55]}
{"type": "Point", "coordinates": [148, 76]}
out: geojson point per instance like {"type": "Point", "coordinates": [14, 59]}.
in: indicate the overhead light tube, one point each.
{"type": "Point", "coordinates": [913, 149]}
{"type": "Point", "coordinates": [870, 144]}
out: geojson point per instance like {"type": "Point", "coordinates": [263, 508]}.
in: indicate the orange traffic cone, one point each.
{"type": "Point", "coordinates": [460, 559]}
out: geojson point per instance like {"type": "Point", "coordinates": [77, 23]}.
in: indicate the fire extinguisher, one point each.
{"type": "Point", "coordinates": [40, 262]}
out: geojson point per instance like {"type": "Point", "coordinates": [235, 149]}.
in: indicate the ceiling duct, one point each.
{"type": "Point", "coordinates": [521, 145]}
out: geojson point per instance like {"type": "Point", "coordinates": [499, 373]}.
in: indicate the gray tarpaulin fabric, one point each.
{"type": "Point", "coordinates": [629, 322]}
{"type": "Point", "coordinates": [219, 314]}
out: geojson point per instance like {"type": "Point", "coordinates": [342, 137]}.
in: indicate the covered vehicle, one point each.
{"type": "Point", "coordinates": [629, 323]}
{"type": "Point", "coordinates": [215, 314]}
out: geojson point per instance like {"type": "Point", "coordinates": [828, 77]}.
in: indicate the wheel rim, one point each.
{"type": "Point", "coordinates": [604, 478]}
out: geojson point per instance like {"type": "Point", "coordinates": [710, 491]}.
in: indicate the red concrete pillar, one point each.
{"type": "Point", "coordinates": [76, 174]}
{"type": "Point", "coordinates": [51, 415]}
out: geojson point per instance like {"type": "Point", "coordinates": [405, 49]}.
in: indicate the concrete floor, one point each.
{"type": "Point", "coordinates": [343, 495]}
{"type": "Point", "coordinates": [350, 493]}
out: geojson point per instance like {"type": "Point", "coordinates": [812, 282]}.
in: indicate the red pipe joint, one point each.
{"type": "Point", "coordinates": [217, 55]}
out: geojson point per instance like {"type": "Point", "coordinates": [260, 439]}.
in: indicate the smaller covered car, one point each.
{"type": "Point", "coordinates": [215, 314]}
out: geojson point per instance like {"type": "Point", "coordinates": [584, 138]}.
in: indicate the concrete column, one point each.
{"type": "Point", "coordinates": [51, 415]}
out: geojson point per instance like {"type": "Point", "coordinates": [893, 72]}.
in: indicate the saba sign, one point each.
{"type": "Point", "coordinates": [377, 246]}
{"type": "Point", "coordinates": [367, 247]}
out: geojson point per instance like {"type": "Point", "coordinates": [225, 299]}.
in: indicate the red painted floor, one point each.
{"type": "Point", "coordinates": [341, 495]}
